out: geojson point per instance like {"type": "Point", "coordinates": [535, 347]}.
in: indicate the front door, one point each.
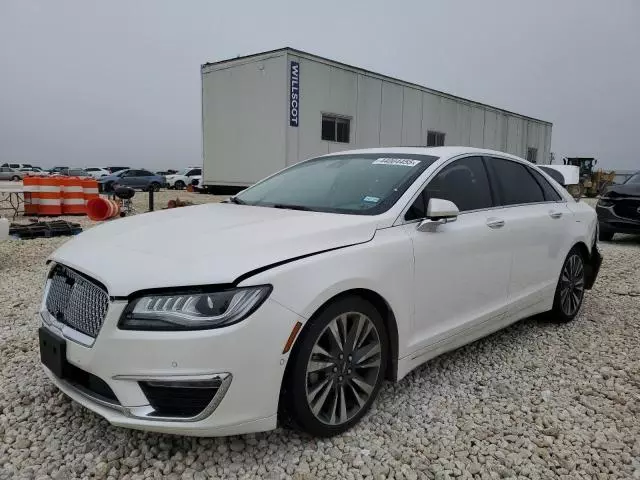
{"type": "Point", "coordinates": [462, 267]}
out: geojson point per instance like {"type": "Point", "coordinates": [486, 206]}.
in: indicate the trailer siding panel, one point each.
{"type": "Point", "coordinates": [411, 117]}
{"type": "Point", "coordinates": [245, 99]}
{"type": "Point", "coordinates": [368, 114]}
{"type": "Point", "coordinates": [391, 116]}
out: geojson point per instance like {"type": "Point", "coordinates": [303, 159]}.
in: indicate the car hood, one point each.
{"type": "Point", "coordinates": [624, 190]}
{"type": "Point", "coordinates": [204, 244]}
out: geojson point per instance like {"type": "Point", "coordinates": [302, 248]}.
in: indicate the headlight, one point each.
{"type": "Point", "coordinates": [605, 202]}
{"type": "Point", "coordinates": [193, 311]}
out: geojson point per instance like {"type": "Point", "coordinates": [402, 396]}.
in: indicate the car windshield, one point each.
{"type": "Point", "coordinates": [362, 184]}
{"type": "Point", "coordinates": [185, 171]}
{"type": "Point", "coordinates": [633, 179]}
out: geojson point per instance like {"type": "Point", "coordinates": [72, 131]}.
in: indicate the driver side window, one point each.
{"type": "Point", "coordinates": [463, 182]}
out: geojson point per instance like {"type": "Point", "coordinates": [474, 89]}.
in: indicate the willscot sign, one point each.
{"type": "Point", "coordinates": [294, 96]}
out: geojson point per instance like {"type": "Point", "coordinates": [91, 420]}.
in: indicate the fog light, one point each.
{"type": "Point", "coordinates": [185, 399]}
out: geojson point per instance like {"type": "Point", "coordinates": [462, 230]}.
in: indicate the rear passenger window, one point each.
{"type": "Point", "coordinates": [514, 182]}
{"type": "Point", "coordinates": [550, 193]}
{"type": "Point", "coordinates": [463, 182]}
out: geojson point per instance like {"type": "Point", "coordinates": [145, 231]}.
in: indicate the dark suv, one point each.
{"type": "Point", "coordinates": [619, 208]}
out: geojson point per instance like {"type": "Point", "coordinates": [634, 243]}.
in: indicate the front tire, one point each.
{"type": "Point", "coordinates": [154, 187]}
{"type": "Point", "coordinates": [15, 178]}
{"type": "Point", "coordinates": [570, 288]}
{"type": "Point", "coordinates": [336, 369]}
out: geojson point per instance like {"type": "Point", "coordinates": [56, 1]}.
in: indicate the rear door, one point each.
{"type": "Point", "coordinates": [127, 178]}
{"type": "Point", "coordinates": [461, 268]}
{"type": "Point", "coordinates": [144, 178]}
{"type": "Point", "coordinates": [536, 216]}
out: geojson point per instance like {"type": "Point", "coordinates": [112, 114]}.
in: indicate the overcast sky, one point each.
{"type": "Point", "coordinates": [118, 82]}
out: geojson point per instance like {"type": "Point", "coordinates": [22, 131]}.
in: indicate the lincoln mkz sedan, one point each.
{"type": "Point", "coordinates": [293, 301]}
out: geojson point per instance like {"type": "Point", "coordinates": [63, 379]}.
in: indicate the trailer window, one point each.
{"type": "Point", "coordinates": [532, 155]}
{"type": "Point", "coordinates": [335, 129]}
{"type": "Point", "coordinates": [435, 139]}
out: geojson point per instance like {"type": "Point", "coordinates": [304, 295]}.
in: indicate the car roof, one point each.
{"type": "Point", "coordinates": [442, 152]}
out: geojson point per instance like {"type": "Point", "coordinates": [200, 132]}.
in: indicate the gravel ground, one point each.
{"type": "Point", "coordinates": [536, 400]}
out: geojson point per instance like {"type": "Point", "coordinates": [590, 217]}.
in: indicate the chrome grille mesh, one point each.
{"type": "Point", "coordinates": [76, 301]}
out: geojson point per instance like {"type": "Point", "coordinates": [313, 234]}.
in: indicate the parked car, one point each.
{"type": "Point", "coordinates": [116, 169]}
{"type": "Point", "coordinates": [134, 178]}
{"type": "Point", "coordinates": [73, 172]}
{"type": "Point", "coordinates": [8, 173]}
{"type": "Point", "coordinates": [179, 181]}
{"type": "Point", "coordinates": [57, 170]}
{"type": "Point", "coordinates": [619, 208]}
{"type": "Point", "coordinates": [17, 166]}
{"type": "Point", "coordinates": [97, 172]}
{"type": "Point", "coordinates": [305, 291]}
{"type": "Point", "coordinates": [34, 171]}
{"type": "Point", "coordinates": [164, 173]}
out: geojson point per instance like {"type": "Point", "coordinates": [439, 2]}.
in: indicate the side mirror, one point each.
{"type": "Point", "coordinates": [439, 211]}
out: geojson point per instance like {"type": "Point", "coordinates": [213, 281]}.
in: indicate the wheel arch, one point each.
{"type": "Point", "coordinates": [388, 317]}
{"type": "Point", "coordinates": [582, 248]}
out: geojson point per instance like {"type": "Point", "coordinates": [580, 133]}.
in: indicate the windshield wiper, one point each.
{"type": "Point", "coordinates": [292, 207]}
{"type": "Point", "coordinates": [235, 200]}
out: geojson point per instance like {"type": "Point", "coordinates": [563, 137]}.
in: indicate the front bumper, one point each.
{"type": "Point", "coordinates": [609, 221]}
{"type": "Point", "coordinates": [248, 356]}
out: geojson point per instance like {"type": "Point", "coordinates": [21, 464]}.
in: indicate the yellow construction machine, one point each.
{"type": "Point", "coordinates": [592, 182]}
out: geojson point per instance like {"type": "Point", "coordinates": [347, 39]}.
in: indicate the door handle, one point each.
{"type": "Point", "coordinates": [555, 214]}
{"type": "Point", "coordinates": [495, 222]}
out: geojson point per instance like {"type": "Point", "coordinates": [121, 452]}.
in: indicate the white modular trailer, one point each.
{"type": "Point", "coordinates": [263, 112]}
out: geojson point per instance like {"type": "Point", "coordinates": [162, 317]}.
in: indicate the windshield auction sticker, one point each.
{"type": "Point", "coordinates": [403, 162]}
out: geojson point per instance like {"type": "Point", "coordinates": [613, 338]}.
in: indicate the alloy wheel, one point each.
{"type": "Point", "coordinates": [343, 368]}
{"type": "Point", "coordinates": [572, 285]}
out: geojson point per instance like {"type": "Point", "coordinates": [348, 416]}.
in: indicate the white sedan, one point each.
{"type": "Point", "coordinates": [97, 172]}
{"type": "Point", "coordinates": [304, 292]}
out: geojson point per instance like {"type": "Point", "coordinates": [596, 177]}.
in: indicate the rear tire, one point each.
{"type": "Point", "coordinates": [15, 178]}
{"type": "Point", "coordinates": [179, 185]}
{"type": "Point", "coordinates": [336, 369]}
{"type": "Point", "coordinates": [605, 236]}
{"type": "Point", "coordinates": [570, 289]}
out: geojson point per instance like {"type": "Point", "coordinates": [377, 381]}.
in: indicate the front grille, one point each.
{"type": "Point", "coordinates": [627, 208]}
{"type": "Point", "coordinates": [76, 301]}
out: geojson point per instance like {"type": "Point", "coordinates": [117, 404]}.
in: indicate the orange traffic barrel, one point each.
{"type": "Point", "coordinates": [99, 208]}
{"type": "Point", "coordinates": [72, 196]}
{"type": "Point", "coordinates": [89, 189]}
{"type": "Point", "coordinates": [31, 195]}
{"type": "Point", "coordinates": [49, 196]}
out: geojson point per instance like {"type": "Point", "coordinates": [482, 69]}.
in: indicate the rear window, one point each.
{"type": "Point", "coordinates": [515, 184]}
{"type": "Point", "coordinates": [550, 193]}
